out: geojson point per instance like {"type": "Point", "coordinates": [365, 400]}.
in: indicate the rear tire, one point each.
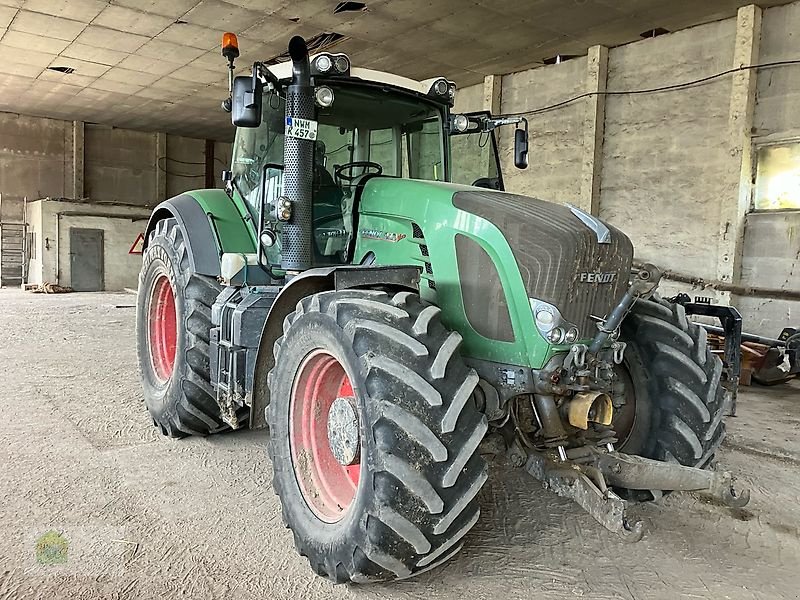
{"type": "Point", "coordinates": [679, 399]}
{"type": "Point", "coordinates": [177, 392]}
{"type": "Point", "coordinates": [415, 497]}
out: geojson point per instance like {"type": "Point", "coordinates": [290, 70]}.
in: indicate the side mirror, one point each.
{"type": "Point", "coordinates": [246, 102]}
{"type": "Point", "coordinates": [521, 148]}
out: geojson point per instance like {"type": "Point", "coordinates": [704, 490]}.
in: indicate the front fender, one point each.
{"type": "Point", "coordinates": [211, 224]}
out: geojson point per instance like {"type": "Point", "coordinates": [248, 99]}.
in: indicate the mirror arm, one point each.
{"type": "Point", "coordinates": [491, 123]}
{"type": "Point", "coordinates": [261, 69]}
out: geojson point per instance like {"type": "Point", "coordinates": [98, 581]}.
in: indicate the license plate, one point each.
{"type": "Point", "coordinates": [304, 129]}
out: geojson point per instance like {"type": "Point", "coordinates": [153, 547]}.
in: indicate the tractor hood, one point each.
{"type": "Point", "coordinates": [491, 260]}
{"type": "Point", "coordinates": [566, 257]}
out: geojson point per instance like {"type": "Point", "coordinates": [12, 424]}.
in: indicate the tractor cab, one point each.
{"type": "Point", "coordinates": [361, 124]}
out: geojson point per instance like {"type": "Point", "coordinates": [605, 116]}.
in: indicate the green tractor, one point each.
{"type": "Point", "coordinates": [366, 289]}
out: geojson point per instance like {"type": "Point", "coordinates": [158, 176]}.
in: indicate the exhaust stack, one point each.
{"type": "Point", "coordinates": [298, 164]}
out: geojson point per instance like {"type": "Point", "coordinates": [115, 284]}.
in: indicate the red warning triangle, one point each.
{"type": "Point", "coordinates": [138, 245]}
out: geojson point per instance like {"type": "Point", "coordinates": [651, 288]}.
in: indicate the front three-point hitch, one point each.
{"type": "Point", "coordinates": [589, 476]}
{"type": "Point", "coordinates": [576, 405]}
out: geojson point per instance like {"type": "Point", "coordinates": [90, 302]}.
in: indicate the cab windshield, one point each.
{"type": "Point", "coordinates": [367, 130]}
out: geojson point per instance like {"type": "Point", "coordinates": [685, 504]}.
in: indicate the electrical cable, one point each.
{"type": "Point", "coordinates": [665, 88]}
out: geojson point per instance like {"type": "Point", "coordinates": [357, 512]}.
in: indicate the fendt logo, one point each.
{"type": "Point", "coordinates": [597, 277]}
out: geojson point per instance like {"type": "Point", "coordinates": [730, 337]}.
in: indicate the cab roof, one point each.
{"type": "Point", "coordinates": [283, 71]}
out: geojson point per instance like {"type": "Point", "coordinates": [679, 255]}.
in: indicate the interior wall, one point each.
{"type": "Point", "coordinates": [120, 165]}
{"type": "Point", "coordinates": [665, 154]}
{"type": "Point", "coordinates": [184, 164]}
{"type": "Point", "coordinates": [555, 138]}
{"type": "Point", "coordinates": [770, 259]}
{"type": "Point", "coordinates": [776, 114]}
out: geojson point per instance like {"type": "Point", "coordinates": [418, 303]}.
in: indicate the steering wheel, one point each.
{"type": "Point", "coordinates": [345, 171]}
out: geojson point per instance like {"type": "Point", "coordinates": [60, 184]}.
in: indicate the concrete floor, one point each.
{"type": "Point", "coordinates": [147, 516]}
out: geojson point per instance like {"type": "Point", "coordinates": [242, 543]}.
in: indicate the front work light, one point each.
{"type": "Point", "coordinates": [341, 63]}
{"type": "Point", "coordinates": [323, 63]}
{"type": "Point", "coordinates": [324, 96]}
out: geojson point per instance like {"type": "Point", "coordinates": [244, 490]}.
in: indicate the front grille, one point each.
{"type": "Point", "coordinates": [552, 248]}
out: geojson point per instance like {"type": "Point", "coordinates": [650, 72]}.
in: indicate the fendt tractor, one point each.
{"type": "Point", "coordinates": [365, 289]}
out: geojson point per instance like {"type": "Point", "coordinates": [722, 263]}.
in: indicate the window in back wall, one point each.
{"type": "Point", "coordinates": [778, 177]}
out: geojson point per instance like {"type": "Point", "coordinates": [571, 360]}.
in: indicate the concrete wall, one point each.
{"type": "Point", "coordinates": [184, 164]}
{"type": "Point", "coordinates": [120, 166]}
{"type": "Point", "coordinates": [672, 168]}
{"type": "Point", "coordinates": [771, 255]}
{"type": "Point", "coordinates": [34, 157]}
{"type": "Point", "coordinates": [664, 155]}
{"type": "Point", "coordinates": [555, 138]}
{"type": "Point", "coordinates": [35, 161]}
{"type": "Point", "coordinates": [50, 222]}
{"type": "Point", "coordinates": [776, 112]}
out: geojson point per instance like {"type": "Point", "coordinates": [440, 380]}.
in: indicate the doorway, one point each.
{"type": "Point", "coordinates": [86, 259]}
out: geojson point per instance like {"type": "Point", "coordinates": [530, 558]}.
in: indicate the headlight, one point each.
{"type": "Point", "coordinates": [545, 318]}
{"type": "Point", "coordinates": [551, 325]}
{"type": "Point", "coordinates": [460, 123]}
{"type": "Point", "coordinates": [323, 63]}
{"type": "Point", "coordinates": [341, 63]}
{"type": "Point", "coordinates": [324, 96]}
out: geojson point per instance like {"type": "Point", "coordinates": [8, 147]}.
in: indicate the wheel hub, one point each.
{"type": "Point", "coordinates": [343, 434]}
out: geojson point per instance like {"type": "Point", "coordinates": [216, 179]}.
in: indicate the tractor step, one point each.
{"type": "Point", "coordinates": [588, 473]}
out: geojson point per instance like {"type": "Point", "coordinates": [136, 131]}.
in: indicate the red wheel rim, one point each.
{"type": "Point", "coordinates": [328, 487]}
{"type": "Point", "coordinates": [163, 329]}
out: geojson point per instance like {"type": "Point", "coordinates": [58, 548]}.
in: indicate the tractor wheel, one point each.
{"type": "Point", "coordinates": [173, 320]}
{"type": "Point", "coordinates": [674, 403]}
{"type": "Point", "coordinates": [374, 435]}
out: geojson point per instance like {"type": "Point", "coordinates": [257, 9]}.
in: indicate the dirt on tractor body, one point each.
{"type": "Point", "coordinates": [136, 515]}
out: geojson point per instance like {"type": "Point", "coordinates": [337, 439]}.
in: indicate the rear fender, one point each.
{"type": "Point", "coordinates": [306, 284]}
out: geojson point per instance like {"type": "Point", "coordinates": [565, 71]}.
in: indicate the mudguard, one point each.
{"type": "Point", "coordinates": [211, 224]}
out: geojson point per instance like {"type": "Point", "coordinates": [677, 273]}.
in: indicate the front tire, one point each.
{"type": "Point", "coordinates": [677, 402]}
{"type": "Point", "coordinates": [173, 321]}
{"type": "Point", "coordinates": [407, 497]}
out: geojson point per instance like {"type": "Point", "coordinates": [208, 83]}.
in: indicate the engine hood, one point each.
{"type": "Point", "coordinates": [493, 252]}
{"type": "Point", "coordinates": [566, 258]}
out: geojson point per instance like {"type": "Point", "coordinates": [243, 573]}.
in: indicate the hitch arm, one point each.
{"type": "Point", "coordinates": [637, 473]}
{"type": "Point", "coordinates": [587, 478]}
{"type": "Point", "coordinates": [573, 482]}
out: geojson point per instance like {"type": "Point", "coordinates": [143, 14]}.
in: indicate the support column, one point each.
{"type": "Point", "coordinates": [492, 89]}
{"type": "Point", "coordinates": [161, 167]}
{"type": "Point", "coordinates": [492, 95]}
{"type": "Point", "coordinates": [736, 200]}
{"type": "Point", "coordinates": [77, 160]}
{"type": "Point", "coordinates": [593, 129]}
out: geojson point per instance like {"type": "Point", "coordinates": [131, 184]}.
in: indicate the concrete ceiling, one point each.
{"type": "Point", "coordinates": [156, 64]}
